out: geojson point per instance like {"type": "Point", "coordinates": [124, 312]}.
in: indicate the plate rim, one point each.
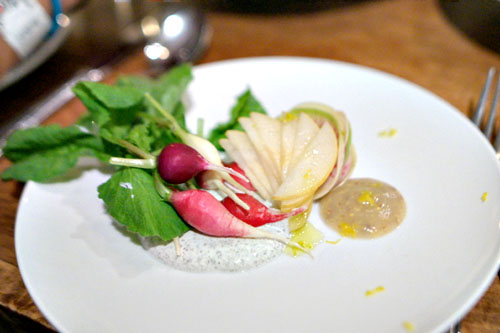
{"type": "Point", "coordinates": [473, 298]}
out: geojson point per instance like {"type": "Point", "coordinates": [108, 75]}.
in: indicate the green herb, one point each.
{"type": "Point", "coordinates": [42, 153]}
{"type": "Point", "coordinates": [245, 105]}
{"type": "Point", "coordinates": [131, 198]}
{"type": "Point", "coordinates": [136, 117]}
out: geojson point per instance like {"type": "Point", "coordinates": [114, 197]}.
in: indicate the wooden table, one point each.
{"type": "Point", "coordinates": [409, 38]}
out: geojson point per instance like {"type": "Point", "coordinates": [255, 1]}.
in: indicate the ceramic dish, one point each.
{"type": "Point", "coordinates": [87, 275]}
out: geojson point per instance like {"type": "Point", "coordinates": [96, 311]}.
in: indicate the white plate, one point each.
{"type": "Point", "coordinates": [87, 276]}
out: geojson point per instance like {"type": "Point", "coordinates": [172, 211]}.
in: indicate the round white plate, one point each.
{"type": "Point", "coordinates": [87, 276]}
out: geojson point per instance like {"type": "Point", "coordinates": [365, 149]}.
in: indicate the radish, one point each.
{"type": "Point", "coordinates": [177, 163]}
{"type": "Point", "coordinates": [204, 147]}
{"type": "Point", "coordinates": [258, 214]}
{"type": "Point", "coordinates": [205, 213]}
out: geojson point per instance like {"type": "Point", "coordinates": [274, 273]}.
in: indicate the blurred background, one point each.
{"type": "Point", "coordinates": [99, 32]}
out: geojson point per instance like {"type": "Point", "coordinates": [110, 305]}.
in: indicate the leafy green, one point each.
{"type": "Point", "coordinates": [245, 105]}
{"type": "Point", "coordinates": [42, 153]}
{"type": "Point", "coordinates": [131, 199]}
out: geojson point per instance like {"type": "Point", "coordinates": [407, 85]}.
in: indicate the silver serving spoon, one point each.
{"type": "Point", "coordinates": [177, 34]}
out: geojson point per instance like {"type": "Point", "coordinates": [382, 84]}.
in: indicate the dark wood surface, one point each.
{"type": "Point", "coordinates": [412, 39]}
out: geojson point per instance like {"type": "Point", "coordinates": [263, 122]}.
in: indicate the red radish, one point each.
{"type": "Point", "coordinates": [206, 214]}
{"type": "Point", "coordinates": [241, 181]}
{"type": "Point", "coordinates": [258, 214]}
{"type": "Point", "coordinates": [177, 163]}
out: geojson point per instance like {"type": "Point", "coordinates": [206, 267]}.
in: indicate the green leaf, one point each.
{"type": "Point", "coordinates": [99, 114]}
{"type": "Point", "coordinates": [141, 83]}
{"type": "Point", "coordinates": [113, 97]}
{"type": "Point", "coordinates": [245, 105]}
{"type": "Point", "coordinates": [172, 85]}
{"type": "Point", "coordinates": [139, 136]}
{"type": "Point", "coordinates": [45, 165]}
{"type": "Point", "coordinates": [131, 199]}
{"type": "Point", "coordinates": [24, 143]}
{"type": "Point", "coordinates": [41, 153]}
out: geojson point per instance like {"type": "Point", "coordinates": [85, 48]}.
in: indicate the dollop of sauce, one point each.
{"type": "Point", "coordinates": [201, 253]}
{"type": "Point", "coordinates": [363, 208]}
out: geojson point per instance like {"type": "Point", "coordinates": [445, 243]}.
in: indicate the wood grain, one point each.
{"type": "Point", "coordinates": [408, 38]}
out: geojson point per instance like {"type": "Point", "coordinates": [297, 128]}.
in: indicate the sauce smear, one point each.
{"type": "Point", "coordinates": [363, 208]}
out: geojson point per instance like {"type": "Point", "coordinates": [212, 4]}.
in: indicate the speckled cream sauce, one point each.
{"type": "Point", "coordinates": [363, 208]}
{"type": "Point", "coordinates": [201, 253]}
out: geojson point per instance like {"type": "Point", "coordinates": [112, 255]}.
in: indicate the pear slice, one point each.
{"type": "Point", "coordinates": [242, 160]}
{"type": "Point", "coordinates": [270, 131]}
{"type": "Point", "coordinates": [320, 113]}
{"type": "Point", "coordinates": [312, 167]}
{"type": "Point", "coordinates": [250, 158]}
{"type": "Point", "coordinates": [288, 205]}
{"type": "Point", "coordinates": [335, 174]}
{"type": "Point", "coordinates": [288, 131]}
{"type": "Point", "coordinates": [264, 158]}
{"type": "Point", "coordinates": [306, 131]}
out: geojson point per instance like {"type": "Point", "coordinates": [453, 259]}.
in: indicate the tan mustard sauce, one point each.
{"type": "Point", "coordinates": [363, 208]}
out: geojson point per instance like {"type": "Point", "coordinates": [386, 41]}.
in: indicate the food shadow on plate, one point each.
{"type": "Point", "coordinates": [93, 226]}
{"type": "Point", "coordinates": [109, 240]}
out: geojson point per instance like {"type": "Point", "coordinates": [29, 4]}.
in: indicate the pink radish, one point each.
{"type": "Point", "coordinates": [177, 163]}
{"type": "Point", "coordinates": [206, 214]}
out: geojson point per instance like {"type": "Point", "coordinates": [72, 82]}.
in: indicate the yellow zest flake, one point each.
{"type": "Point", "coordinates": [374, 291]}
{"type": "Point", "coordinates": [388, 133]}
{"type": "Point", "coordinates": [366, 198]}
{"type": "Point", "coordinates": [287, 117]}
{"type": "Point", "coordinates": [333, 242]}
{"type": "Point", "coordinates": [408, 326]}
{"type": "Point", "coordinates": [308, 174]}
{"type": "Point", "coordinates": [484, 196]}
{"type": "Point", "coordinates": [347, 230]}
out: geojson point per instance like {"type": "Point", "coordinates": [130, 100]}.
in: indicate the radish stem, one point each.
{"type": "Point", "coordinates": [169, 120]}
{"type": "Point", "coordinates": [178, 249]}
{"type": "Point", "coordinates": [134, 149]}
{"type": "Point", "coordinates": [133, 162]}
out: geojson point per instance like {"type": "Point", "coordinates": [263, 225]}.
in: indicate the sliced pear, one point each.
{"type": "Point", "coordinates": [241, 159]}
{"type": "Point", "coordinates": [288, 135]}
{"type": "Point", "coordinates": [270, 131]}
{"type": "Point", "coordinates": [312, 167]}
{"type": "Point", "coordinates": [335, 174]}
{"type": "Point", "coordinates": [321, 112]}
{"type": "Point", "coordinates": [288, 205]}
{"type": "Point", "coordinates": [258, 144]}
{"type": "Point", "coordinates": [250, 158]}
{"type": "Point", "coordinates": [306, 131]}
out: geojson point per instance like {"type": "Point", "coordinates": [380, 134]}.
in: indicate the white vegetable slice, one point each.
{"type": "Point", "coordinates": [288, 205]}
{"type": "Point", "coordinates": [249, 159]}
{"type": "Point", "coordinates": [313, 166]}
{"type": "Point", "coordinates": [335, 174]}
{"type": "Point", "coordinates": [258, 144]}
{"type": "Point", "coordinates": [306, 131]}
{"type": "Point", "coordinates": [288, 135]}
{"type": "Point", "coordinates": [270, 131]}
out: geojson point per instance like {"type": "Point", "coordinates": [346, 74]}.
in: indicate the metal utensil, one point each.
{"type": "Point", "coordinates": [178, 33]}
{"type": "Point", "coordinates": [478, 115]}
{"type": "Point", "coordinates": [477, 119]}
